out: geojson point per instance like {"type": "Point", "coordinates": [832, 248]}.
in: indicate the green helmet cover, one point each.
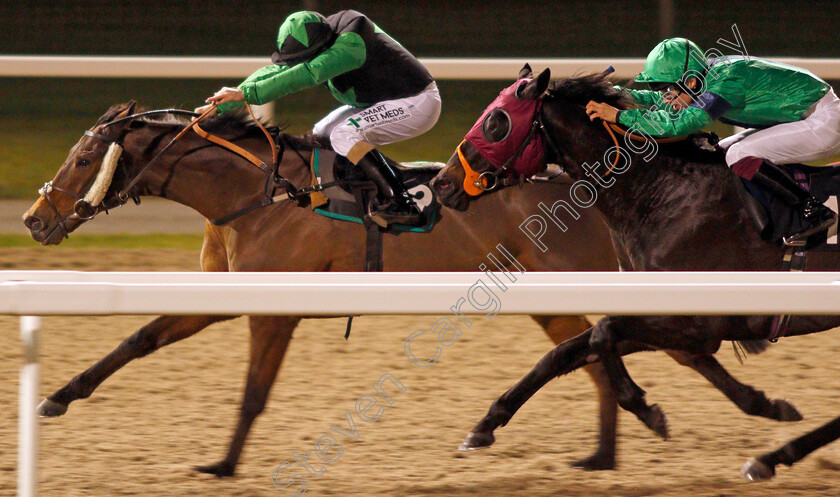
{"type": "Point", "coordinates": [670, 60]}
{"type": "Point", "coordinates": [302, 35]}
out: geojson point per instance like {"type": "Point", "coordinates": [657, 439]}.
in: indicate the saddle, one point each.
{"type": "Point", "coordinates": [347, 189]}
{"type": "Point", "coordinates": [775, 220]}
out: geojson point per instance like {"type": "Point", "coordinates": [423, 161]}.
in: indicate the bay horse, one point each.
{"type": "Point", "coordinates": [675, 209]}
{"type": "Point", "coordinates": [284, 237]}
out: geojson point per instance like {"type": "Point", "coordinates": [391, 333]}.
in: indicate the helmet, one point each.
{"type": "Point", "coordinates": [301, 37]}
{"type": "Point", "coordinates": [670, 60]}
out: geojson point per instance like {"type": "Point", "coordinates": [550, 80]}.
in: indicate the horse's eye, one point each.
{"type": "Point", "coordinates": [496, 126]}
{"type": "Point", "coordinates": [82, 163]}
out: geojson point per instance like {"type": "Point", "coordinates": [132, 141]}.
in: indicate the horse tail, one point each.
{"type": "Point", "coordinates": [752, 347]}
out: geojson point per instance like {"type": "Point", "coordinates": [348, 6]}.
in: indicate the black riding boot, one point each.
{"type": "Point", "coordinates": [397, 206]}
{"type": "Point", "coordinates": [780, 184]}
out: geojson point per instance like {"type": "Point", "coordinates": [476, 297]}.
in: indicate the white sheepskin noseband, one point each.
{"type": "Point", "coordinates": [97, 191]}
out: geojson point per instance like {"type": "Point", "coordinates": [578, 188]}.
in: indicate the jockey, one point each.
{"type": "Point", "coordinates": [792, 115]}
{"type": "Point", "coordinates": [388, 95]}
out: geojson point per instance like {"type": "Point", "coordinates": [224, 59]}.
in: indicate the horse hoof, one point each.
{"type": "Point", "coordinates": [477, 440]}
{"type": "Point", "coordinates": [221, 469]}
{"type": "Point", "coordinates": [657, 421]}
{"type": "Point", "coordinates": [595, 462]}
{"type": "Point", "coordinates": [50, 409]}
{"type": "Point", "coordinates": [755, 470]}
{"type": "Point", "coordinates": [785, 411]}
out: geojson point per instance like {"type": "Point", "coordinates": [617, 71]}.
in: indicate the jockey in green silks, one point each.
{"type": "Point", "coordinates": [387, 94]}
{"type": "Point", "coordinates": [790, 114]}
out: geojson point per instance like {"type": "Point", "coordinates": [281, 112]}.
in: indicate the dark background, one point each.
{"type": "Point", "coordinates": [434, 28]}
{"type": "Point", "coordinates": [41, 118]}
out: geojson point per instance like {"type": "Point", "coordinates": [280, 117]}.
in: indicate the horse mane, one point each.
{"type": "Point", "coordinates": [582, 89]}
{"type": "Point", "coordinates": [237, 123]}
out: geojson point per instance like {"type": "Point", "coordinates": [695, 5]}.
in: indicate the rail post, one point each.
{"type": "Point", "coordinates": [27, 417]}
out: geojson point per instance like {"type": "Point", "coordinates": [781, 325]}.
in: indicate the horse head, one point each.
{"type": "Point", "coordinates": [530, 124]}
{"type": "Point", "coordinates": [502, 145]}
{"type": "Point", "coordinates": [85, 183]}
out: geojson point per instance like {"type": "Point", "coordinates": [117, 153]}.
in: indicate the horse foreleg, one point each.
{"type": "Point", "coordinates": [270, 336]}
{"type": "Point", "coordinates": [747, 398]}
{"type": "Point", "coordinates": [764, 467]}
{"type": "Point", "coordinates": [565, 358]}
{"type": "Point", "coordinates": [559, 329]}
{"type": "Point", "coordinates": [158, 333]}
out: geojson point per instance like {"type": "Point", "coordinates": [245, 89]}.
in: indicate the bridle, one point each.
{"type": "Point", "coordinates": [83, 211]}
{"type": "Point", "coordinates": [476, 183]}
{"type": "Point", "coordinates": [62, 220]}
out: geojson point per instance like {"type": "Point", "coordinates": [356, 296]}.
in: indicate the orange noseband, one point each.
{"type": "Point", "coordinates": [474, 183]}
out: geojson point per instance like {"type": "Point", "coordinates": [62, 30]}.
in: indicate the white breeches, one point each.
{"type": "Point", "coordinates": [813, 138]}
{"type": "Point", "coordinates": [382, 123]}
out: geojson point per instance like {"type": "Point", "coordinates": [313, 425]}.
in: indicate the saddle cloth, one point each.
{"type": "Point", "coordinates": [341, 199]}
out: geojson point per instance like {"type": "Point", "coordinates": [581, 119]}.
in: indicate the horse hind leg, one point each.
{"type": "Point", "coordinates": [748, 399]}
{"type": "Point", "coordinates": [764, 467]}
{"type": "Point", "coordinates": [630, 396]}
{"type": "Point", "coordinates": [559, 329]}
{"type": "Point", "coordinates": [270, 336]}
{"type": "Point", "coordinates": [158, 333]}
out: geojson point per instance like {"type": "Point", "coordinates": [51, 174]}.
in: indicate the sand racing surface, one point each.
{"type": "Point", "coordinates": [145, 428]}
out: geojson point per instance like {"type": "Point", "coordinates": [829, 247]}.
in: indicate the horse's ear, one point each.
{"type": "Point", "coordinates": [117, 111]}
{"type": "Point", "coordinates": [525, 72]}
{"type": "Point", "coordinates": [128, 110]}
{"type": "Point", "coordinates": [536, 87]}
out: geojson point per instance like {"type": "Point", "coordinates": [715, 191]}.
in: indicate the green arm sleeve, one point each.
{"type": "Point", "coordinates": [645, 98]}
{"type": "Point", "coordinates": [261, 74]}
{"type": "Point", "coordinates": [273, 82]}
{"type": "Point", "coordinates": [662, 123]}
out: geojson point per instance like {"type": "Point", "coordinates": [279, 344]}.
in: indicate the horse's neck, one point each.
{"type": "Point", "coordinates": [214, 181]}
{"type": "Point", "coordinates": [620, 191]}
{"type": "Point", "coordinates": [659, 207]}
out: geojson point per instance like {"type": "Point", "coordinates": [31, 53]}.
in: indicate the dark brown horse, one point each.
{"type": "Point", "coordinates": [676, 210]}
{"type": "Point", "coordinates": [283, 237]}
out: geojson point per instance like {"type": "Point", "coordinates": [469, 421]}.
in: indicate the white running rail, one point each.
{"type": "Point", "coordinates": [238, 67]}
{"type": "Point", "coordinates": [644, 293]}
{"type": "Point", "coordinates": [34, 293]}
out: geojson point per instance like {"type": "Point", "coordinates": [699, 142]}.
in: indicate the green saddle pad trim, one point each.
{"type": "Point", "coordinates": [353, 219]}
{"type": "Point", "coordinates": [398, 227]}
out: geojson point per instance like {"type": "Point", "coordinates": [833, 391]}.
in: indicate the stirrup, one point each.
{"type": "Point", "coordinates": [379, 220]}
{"type": "Point", "coordinates": [383, 218]}
{"type": "Point", "coordinates": [800, 239]}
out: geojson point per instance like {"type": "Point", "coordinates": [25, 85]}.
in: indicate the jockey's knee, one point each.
{"type": "Point", "coordinates": [827, 144]}
{"type": "Point", "coordinates": [343, 140]}
{"type": "Point", "coordinates": [321, 129]}
{"type": "Point", "coordinates": [357, 151]}
{"type": "Point", "coordinates": [737, 152]}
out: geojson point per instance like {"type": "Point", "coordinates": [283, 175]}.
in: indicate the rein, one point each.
{"type": "Point", "coordinates": [613, 128]}
{"type": "Point", "coordinates": [123, 195]}
{"type": "Point", "coordinates": [476, 183]}
{"type": "Point", "coordinates": [274, 180]}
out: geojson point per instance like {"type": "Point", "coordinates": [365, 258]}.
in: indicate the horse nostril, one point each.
{"type": "Point", "coordinates": [444, 185]}
{"type": "Point", "coordinates": [34, 224]}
